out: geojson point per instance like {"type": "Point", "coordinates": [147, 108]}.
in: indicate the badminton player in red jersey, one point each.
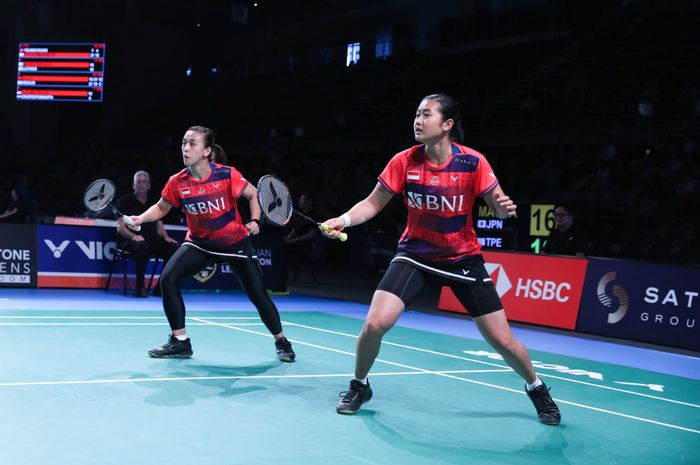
{"type": "Point", "coordinates": [208, 194]}
{"type": "Point", "coordinates": [439, 180]}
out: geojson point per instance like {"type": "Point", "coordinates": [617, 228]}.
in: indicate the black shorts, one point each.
{"type": "Point", "coordinates": [468, 279]}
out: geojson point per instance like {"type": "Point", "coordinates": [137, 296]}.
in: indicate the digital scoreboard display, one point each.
{"type": "Point", "coordinates": [63, 72]}
{"type": "Point", "coordinates": [492, 232]}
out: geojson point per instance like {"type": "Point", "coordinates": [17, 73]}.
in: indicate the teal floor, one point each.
{"type": "Point", "coordinates": [77, 388]}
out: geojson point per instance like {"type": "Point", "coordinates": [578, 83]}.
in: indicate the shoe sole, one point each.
{"type": "Point", "coordinates": [286, 359]}
{"type": "Point", "coordinates": [550, 422]}
{"type": "Point", "coordinates": [347, 412]}
{"type": "Point", "coordinates": [185, 355]}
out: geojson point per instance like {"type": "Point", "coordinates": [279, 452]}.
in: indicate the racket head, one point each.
{"type": "Point", "coordinates": [275, 200]}
{"type": "Point", "coordinates": [99, 194]}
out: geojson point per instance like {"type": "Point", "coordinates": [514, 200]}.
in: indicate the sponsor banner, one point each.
{"type": "Point", "coordinates": [80, 257]}
{"type": "Point", "coordinates": [75, 256]}
{"type": "Point", "coordinates": [18, 257]}
{"type": "Point", "coordinates": [643, 302]}
{"type": "Point", "coordinates": [542, 290]}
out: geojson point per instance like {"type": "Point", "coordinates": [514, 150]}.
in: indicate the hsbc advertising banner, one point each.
{"type": "Point", "coordinates": [80, 257]}
{"type": "Point", "coordinates": [17, 255]}
{"type": "Point", "coordinates": [642, 302]}
{"type": "Point", "coordinates": [535, 289]}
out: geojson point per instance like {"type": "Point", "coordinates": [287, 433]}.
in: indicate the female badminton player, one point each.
{"type": "Point", "coordinates": [208, 194]}
{"type": "Point", "coordinates": [440, 180]}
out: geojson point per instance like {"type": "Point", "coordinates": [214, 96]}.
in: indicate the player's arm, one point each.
{"type": "Point", "coordinates": [500, 204]}
{"type": "Point", "coordinates": [250, 193]}
{"type": "Point", "coordinates": [362, 212]}
{"type": "Point", "coordinates": [154, 213]}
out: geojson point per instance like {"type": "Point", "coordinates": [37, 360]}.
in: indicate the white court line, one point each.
{"type": "Point", "coordinates": [165, 323]}
{"type": "Point", "coordinates": [445, 375]}
{"type": "Point", "coordinates": [625, 391]}
{"type": "Point", "coordinates": [207, 378]}
{"type": "Point", "coordinates": [118, 317]}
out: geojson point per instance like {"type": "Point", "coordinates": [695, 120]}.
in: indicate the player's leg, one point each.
{"type": "Point", "coordinates": [185, 262]}
{"type": "Point", "coordinates": [485, 306]}
{"type": "Point", "coordinates": [250, 275]}
{"type": "Point", "coordinates": [400, 284]}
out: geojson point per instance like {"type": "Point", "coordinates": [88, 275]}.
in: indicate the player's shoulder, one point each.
{"type": "Point", "coordinates": [464, 151]}
{"type": "Point", "coordinates": [409, 153]}
{"type": "Point", "coordinates": [180, 176]}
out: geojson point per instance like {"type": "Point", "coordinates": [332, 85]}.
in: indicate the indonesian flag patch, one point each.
{"type": "Point", "coordinates": [413, 175]}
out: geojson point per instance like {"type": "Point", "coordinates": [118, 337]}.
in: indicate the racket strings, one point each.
{"type": "Point", "coordinates": [98, 195]}
{"type": "Point", "coordinates": [275, 200]}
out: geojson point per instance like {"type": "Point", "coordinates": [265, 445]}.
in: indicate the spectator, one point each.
{"type": "Point", "coordinates": [300, 241]}
{"type": "Point", "coordinates": [567, 238]}
{"type": "Point", "coordinates": [16, 212]}
{"type": "Point", "coordinates": [152, 239]}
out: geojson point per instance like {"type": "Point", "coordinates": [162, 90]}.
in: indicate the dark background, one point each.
{"type": "Point", "coordinates": [550, 91]}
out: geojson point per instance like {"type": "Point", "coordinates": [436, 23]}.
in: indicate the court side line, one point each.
{"type": "Point", "coordinates": [611, 412]}
{"type": "Point", "coordinates": [165, 323]}
{"type": "Point", "coordinates": [73, 317]}
{"type": "Point", "coordinates": [641, 394]}
{"type": "Point", "coordinates": [205, 378]}
{"type": "Point", "coordinates": [598, 409]}
{"type": "Point", "coordinates": [419, 349]}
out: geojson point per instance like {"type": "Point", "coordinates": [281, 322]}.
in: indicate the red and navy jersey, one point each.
{"type": "Point", "coordinates": [439, 200]}
{"type": "Point", "coordinates": [210, 205]}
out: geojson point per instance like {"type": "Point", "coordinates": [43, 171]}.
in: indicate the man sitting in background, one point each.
{"type": "Point", "coordinates": [152, 239]}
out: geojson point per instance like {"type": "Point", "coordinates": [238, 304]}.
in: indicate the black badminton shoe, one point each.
{"type": "Point", "coordinates": [352, 399]}
{"type": "Point", "coordinates": [285, 353]}
{"type": "Point", "coordinates": [547, 410]}
{"type": "Point", "coordinates": [174, 348]}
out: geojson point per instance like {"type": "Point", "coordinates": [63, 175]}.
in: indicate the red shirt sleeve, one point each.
{"type": "Point", "coordinates": [170, 193]}
{"type": "Point", "coordinates": [238, 183]}
{"type": "Point", "coordinates": [393, 178]}
{"type": "Point", "coordinates": [485, 180]}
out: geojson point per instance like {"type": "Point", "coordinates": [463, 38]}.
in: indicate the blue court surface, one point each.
{"type": "Point", "coordinates": [78, 388]}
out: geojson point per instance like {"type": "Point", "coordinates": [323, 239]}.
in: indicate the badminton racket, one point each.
{"type": "Point", "coordinates": [99, 195]}
{"type": "Point", "coordinates": [276, 204]}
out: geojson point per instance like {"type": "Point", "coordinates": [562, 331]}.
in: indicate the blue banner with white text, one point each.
{"type": "Point", "coordinates": [645, 302]}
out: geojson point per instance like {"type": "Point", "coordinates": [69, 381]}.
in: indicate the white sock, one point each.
{"type": "Point", "coordinates": [538, 382]}
{"type": "Point", "coordinates": [181, 337]}
{"type": "Point", "coordinates": [363, 380]}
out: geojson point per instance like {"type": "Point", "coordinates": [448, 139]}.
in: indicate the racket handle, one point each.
{"type": "Point", "coordinates": [130, 224]}
{"type": "Point", "coordinates": [343, 236]}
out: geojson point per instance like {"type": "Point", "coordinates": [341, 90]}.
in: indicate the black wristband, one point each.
{"type": "Point", "coordinates": [256, 220]}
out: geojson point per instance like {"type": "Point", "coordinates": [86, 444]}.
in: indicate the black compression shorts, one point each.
{"type": "Point", "coordinates": [468, 279]}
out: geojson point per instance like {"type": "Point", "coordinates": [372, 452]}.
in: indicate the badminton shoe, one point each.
{"type": "Point", "coordinates": [547, 410]}
{"type": "Point", "coordinates": [174, 348]}
{"type": "Point", "coordinates": [352, 399]}
{"type": "Point", "coordinates": [285, 353]}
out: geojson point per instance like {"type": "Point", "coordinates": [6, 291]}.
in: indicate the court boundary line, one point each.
{"type": "Point", "coordinates": [575, 404]}
{"type": "Point", "coordinates": [207, 378]}
{"type": "Point", "coordinates": [548, 375]}
{"type": "Point", "coordinates": [314, 328]}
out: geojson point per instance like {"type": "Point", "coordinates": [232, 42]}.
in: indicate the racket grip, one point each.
{"type": "Point", "coordinates": [130, 224]}
{"type": "Point", "coordinates": [343, 236]}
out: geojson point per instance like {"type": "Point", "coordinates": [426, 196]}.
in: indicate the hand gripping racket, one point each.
{"type": "Point", "coordinates": [276, 204]}
{"type": "Point", "coordinates": [99, 195]}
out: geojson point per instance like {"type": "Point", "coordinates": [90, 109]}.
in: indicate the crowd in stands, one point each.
{"type": "Point", "coordinates": [606, 120]}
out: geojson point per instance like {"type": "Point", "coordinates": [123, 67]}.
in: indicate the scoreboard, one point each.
{"type": "Point", "coordinates": [492, 232]}
{"type": "Point", "coordinates": [67, 72]}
